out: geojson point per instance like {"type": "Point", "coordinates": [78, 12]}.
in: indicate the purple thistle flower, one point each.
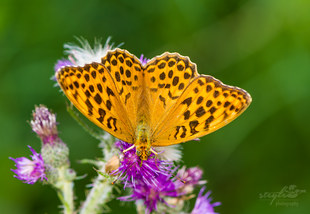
{"type": "Point", "coordinates": [59, 64]}
{"type": "Point", "coordinates": [188, 179]}
{"type": "Point", "coordinates": [143, 60]}
{"type": "Point", "coordinates": [190, 175]}
{"type": "Point", "coordinates": [62, 63]}
{"type": "Point", "coordinates": [44, 124]}
{"type": "Point", "coordinates": [203, 203]}
{"type": "Point", "coordinates": [152, 196]}
{"type": "Point", "coordinates": [28, 170]}
{"type": "Point", "coordinates": [131, 170]}
{"type": "Point", "coordinates": [54, 151]}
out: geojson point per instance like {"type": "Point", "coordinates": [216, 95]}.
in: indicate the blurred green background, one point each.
{"type": "Point", "coordinates": [262, 46]}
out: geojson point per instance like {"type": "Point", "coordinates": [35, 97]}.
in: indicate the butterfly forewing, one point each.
{"type": "Point", "coordinates": [126, 71]}
{"type": "Point", "coordinates": [205, 106]}
{"type": "Point", "coordinates": [166, 77]}
{"type": "Point", "coordinates": [92, 90]}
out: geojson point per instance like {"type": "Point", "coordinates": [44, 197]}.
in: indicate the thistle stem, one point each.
{"type": "Point", "coordinates": [99, 195]}
{"type": "Point", "coordinates": [65, 191]}
{"type": "Point", "coordinates": [140, 209]}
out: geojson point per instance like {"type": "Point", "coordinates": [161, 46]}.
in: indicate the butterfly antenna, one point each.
{"type": "Point", "coordinates": [174, 173]}
{"type": "Point", "coordinates": [113, 182]}
{"type": "Point", "coordinates": [126, 150]}
{"type": "Point", "coordinates": [116, 179]}
{"type": "Point", "coordinates": [184, 182]}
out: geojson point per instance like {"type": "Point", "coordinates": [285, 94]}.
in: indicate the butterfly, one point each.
{"type": "Point", "coordinates": [160, 103]}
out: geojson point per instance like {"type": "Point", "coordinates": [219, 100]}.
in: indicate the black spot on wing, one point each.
{"type": "Point", "coordinates": [127, 97]}
{"type": "Point", "coordinates": [187, 101]}
{"type": "Point", "coordinates": [208, 121]}
{"type": "Point", "coordinates": [109, 125]}
{"type": "Point", "coordinates": [161, 98]}
{"type": "Point", "coordinates": [98, 98]}
{"type": "Point", "coordinates": [177, 132]}
{"type": "Point", "coordinates": [94, 74]}
{"type": "Point", "coordinates": [193, 124]}
{"type": "Point", "coordinates": [99, 86]}
{"type": "Point", "coordinates": [110, 92]}
{"type": "Point", "coordinates": [187, 114]}
{"type": "Point", "coordinates": [108, 104]}
{"type": "Point", "coordinates": [199, 100]}
{"type": "Point", "coordinates": [226, 104]}
{"type": "Point", "coordinates": [172, 97]}
{"type": "Point", "coordinates": [200, 111]}
{"type": "Point", "coordinates": [216, 94]}
{"type": "Point", "coordinates": [102, 114]}
{"type": "Point", "coordinates": [209, 103]}
{"type": "Point", "coordinates": [162, 65]}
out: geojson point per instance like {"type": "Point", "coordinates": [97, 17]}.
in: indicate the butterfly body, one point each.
{"type": "Point", "coordinates": [162, 103]}
{"type": "Point", "coordinates": [142, 140]}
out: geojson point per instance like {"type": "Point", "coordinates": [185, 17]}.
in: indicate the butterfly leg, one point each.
{"type": "Point", "coordinates": [156, 156]}
{"type": "Point", "coordinates": [155, 153]}
{"type": "Point", "coordinates": [126, 150]}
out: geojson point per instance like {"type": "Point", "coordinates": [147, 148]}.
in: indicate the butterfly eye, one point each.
{"type": "Point", "coordinates": [148, 153]}
{"type": "Point", "coordinates": [138, 153]}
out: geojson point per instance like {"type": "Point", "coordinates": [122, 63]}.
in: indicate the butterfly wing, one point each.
{"type": "Point", "coordinates": [177, 103]}
{"type": "Point", "coordinates": [93, 92]}
{"type": "Point", "coordinates": [204, 106]}
{"type": "Point", "coordinates": [166, 77]}
{"type": "Point", "coordinates": [127, 72]}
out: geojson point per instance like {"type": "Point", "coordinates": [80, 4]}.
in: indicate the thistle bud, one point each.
{"type": "Point", "coordinates": [54, 151]}
{"type": "Point", "coordinates": [112, 164]}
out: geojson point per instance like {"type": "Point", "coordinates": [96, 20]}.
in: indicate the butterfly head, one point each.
{"type": "Point", "coordinates": [143, 152]}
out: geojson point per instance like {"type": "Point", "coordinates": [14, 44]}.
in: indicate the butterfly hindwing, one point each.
{"type": "Point", "coordinates": [92, 90]}
{"type": "Point", "coordinates": [205, 106]}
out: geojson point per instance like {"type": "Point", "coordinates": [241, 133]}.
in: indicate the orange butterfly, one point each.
{"type": "Point", "coordinates": [162, 103]}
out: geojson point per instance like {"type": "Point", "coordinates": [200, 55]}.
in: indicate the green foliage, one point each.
{"type": "Point", "coordinates": [262, 46]}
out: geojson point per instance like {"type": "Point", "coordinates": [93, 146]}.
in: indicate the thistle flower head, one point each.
{"type": "Point", "coordinates": [203, 203]}
{"type": "Point", "coordinates": [154, 185]}
{"type": "Point", "coordinates": [62, 63]}
{"type": "Point", "coordinates": [150, 195]}
{"type": "Point", "coordinates": [143, 60]}
{"type": "Point", "coordinates": [29, 171]}
{"type": "Point", "coordinates": [54, 151]}
{"type": "Point", "coordinates": [44, 124]}
{"type": "Point", "coordinates": [169, 153]}
{"type": "Point", "coordinates": [188, 178]}
{"type": "Point", "coordinates": [131, 170]}
{"type": "Point", "coordinates": [79, 55]}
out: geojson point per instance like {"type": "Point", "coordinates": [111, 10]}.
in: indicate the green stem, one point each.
{"type": "Point", "coordinates": [65, 191]}
{"type": "Point", "coordinates": [140, 209]}
{"type": "Point", "coordinates": [99, 195]}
